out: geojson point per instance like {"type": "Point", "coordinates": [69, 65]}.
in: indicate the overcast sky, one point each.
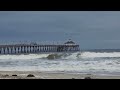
{"type": "Point", "coordinates": [90, 29]}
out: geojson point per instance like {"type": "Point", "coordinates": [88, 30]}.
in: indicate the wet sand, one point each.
{"type": "Point", "coordinates": [48, 75]}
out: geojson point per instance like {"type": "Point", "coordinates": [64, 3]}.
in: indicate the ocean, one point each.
{"type": "Point", "coordinates": [102, 61]}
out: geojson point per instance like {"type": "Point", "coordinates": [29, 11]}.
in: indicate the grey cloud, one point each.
{"type": "Point", "coordinates": [92, 29]}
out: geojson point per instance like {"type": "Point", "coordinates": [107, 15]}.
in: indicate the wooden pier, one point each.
{"type": "Point", "coordinates": [37, 48]}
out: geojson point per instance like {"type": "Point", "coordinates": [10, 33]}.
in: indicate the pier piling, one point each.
{"type": "Point", "coordinates": [37, 48]}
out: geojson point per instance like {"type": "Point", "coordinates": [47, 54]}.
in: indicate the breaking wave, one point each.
{"type": "Point", "coordinates": [40, 56]}
{"type": "Point", "coordinates": [76, 55]}
{"type": "Point", "coordinates": [100, 54]}
{"type": "Point", "coordinates": [99, 62]}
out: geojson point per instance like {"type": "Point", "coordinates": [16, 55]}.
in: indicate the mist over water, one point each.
{"type": "Point", "coordinates": [78, 62]}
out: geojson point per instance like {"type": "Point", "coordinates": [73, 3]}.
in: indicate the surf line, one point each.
{"type": "Point", "coordinates": [68, 46]}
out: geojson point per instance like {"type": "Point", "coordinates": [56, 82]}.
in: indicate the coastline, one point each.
{"type": "Point", "coordinates": [50, 75]}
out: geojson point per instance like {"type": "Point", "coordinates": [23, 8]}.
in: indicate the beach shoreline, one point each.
{"type": "Point", "coordinates": [50, 75]}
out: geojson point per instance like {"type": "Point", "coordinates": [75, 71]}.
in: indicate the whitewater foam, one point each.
{"type": "Point", "coordinates": [73, 56]}
{"type": "Point", "coordinates": [22, 57]}
{"type": "Point", "coordinates": [99, 54]}
{"type": "Point", "coordinates": [68, 62]}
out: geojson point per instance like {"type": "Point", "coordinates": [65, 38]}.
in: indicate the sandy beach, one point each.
{"type": "Point", "coordinates": [48, 75]}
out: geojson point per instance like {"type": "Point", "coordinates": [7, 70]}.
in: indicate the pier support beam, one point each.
{"type": "Point", "coordinates": [7, 50]}
{"type": "Point", "coordinates": [15, 49]}
{"type": "Point", "coordinates": [0, 50]}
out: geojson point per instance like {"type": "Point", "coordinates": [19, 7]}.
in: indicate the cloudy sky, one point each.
{"type": "Point", "coordinates": [90, 29]}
